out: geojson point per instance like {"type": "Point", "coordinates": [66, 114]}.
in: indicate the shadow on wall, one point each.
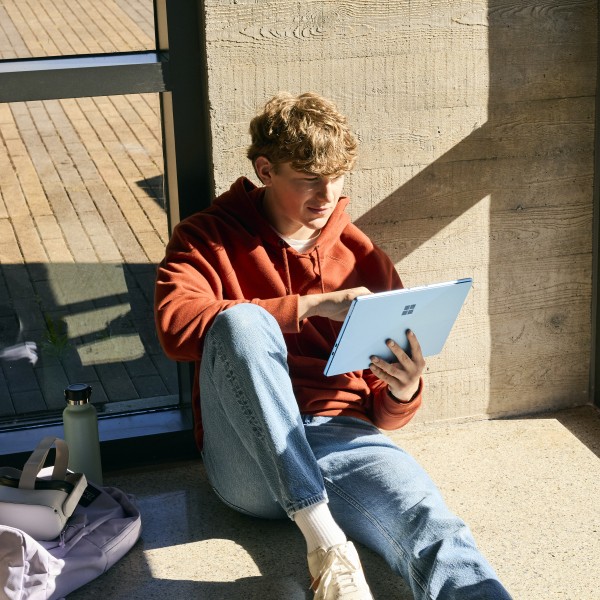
{"type": "Point", "coordinates": [532, 162]}
{"type": "Point", "coordinates": [70, 322]}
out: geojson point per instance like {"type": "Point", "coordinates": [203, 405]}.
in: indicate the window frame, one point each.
{"type": "Point", "coordinates": [595, 349]}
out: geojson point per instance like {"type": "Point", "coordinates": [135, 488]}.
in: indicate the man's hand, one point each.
{"type": "Point", "coordinates": [333, 305]}
{"type": "Point", "coordinates": [403, 376]}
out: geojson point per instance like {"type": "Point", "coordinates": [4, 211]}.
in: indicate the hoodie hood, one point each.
{"type": "Point", "coordinates": [243, 201]}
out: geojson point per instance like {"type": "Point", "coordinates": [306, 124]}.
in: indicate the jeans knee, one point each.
{"type": "Point", "coordinates": [246, 327]}
{"type": "Point", "coordinates": [245, 316]}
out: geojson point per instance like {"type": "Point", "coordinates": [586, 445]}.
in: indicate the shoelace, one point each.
{"type": "Point", "coordinates": [337, 570]}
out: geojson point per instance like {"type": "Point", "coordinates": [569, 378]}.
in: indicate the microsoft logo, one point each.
{"type": "Point", "coordinates": [408, 309]}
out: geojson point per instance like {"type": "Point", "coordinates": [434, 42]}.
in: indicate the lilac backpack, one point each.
{"type": "Point", "coordinates": [102, 530]}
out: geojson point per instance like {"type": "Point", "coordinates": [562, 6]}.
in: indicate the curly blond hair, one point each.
{"type": "Point", "coordinates": [307, 131]}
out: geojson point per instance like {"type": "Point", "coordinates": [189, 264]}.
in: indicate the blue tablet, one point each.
{"type": "Point", "coordinates": [430, 311]}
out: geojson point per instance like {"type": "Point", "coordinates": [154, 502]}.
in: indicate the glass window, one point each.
{"type": "Point", "coordinates": [82, 227]}
{"type": "Point", "coordinates": [38, 28]}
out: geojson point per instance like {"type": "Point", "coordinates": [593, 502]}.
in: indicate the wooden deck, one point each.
{"type": "Point", "coordinates": [82, 219]}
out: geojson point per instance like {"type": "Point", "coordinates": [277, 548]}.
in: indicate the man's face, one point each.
{"type": "Point", "coordinates": [297, 204]}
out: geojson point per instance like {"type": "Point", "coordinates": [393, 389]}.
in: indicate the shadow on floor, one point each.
{"type": "Point", "coordinates": [583, 422]}
{"type": "Point", "coordinates": [193, 546]}
{"type": "Point", "coordinates": [80, 322]}
{"type": "Point", "coordinates": [526, 486]}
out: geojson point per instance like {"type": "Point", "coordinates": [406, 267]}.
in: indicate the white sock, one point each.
{"type": "Point", "coordinates": [318, 527]}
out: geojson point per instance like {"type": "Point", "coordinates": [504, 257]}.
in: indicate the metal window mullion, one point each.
{"type": "Point", "coordinates": [187, 140]}
{"type": "Point", "coordinates": [82, 76]}
{"type": "Point", "coordinates": [185, 114]}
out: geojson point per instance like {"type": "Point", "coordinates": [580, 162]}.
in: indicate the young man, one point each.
{"type": "Point", "coordinates": [254, 290]}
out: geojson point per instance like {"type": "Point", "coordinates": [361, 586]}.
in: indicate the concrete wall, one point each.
{"type": "Point", "coordinates": [476, 125]}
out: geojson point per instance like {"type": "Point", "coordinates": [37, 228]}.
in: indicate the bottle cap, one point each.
{"type": "Point", "coordinates": [78, 393]}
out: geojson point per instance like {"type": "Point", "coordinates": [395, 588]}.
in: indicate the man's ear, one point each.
{"type": "Point", "coordinates": [264, 170]}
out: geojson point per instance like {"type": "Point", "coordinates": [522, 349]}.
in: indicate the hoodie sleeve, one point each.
{"type": "Point", "coordinates": [390, 414]}
{"type": "Point", "coordinates": [189, 295]}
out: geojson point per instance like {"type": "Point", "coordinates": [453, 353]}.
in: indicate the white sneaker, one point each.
{"type": "Point", "coordinates": [337, 574]}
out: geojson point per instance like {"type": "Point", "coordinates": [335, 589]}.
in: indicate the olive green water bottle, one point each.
{"type": "Point", "coordinates": [80, 422]}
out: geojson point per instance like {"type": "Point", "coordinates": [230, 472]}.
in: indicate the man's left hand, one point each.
{"type": "Point", "coordinates": [404, 375]}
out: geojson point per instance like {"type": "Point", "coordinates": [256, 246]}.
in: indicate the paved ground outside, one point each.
{"type": "Point", "coordinates": [82, 220]}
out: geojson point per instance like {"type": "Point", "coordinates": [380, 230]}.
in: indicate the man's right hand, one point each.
{"type": "Point", "coordinates": [333, 305]}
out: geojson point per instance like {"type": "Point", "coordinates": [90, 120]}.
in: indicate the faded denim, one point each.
{"type": "Point", "coordinates": [265, 459]}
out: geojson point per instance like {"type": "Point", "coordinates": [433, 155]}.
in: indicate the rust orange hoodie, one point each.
{"type": "Point", "coordinates": [228, 254]}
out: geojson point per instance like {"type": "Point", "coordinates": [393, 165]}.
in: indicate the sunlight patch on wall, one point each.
{"type": "Point", "coordinates": [459, 249]}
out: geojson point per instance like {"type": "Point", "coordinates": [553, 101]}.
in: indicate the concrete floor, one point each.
{"type": "Point", "coordinates": [529, 488]}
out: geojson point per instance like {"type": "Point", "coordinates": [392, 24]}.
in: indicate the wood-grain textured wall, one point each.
{"type": "Point", "coordinates": [476, 123]}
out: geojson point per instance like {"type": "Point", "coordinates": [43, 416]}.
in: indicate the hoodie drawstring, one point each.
{"type": "Point", "coordinates": [320, 269]}
{"type": "Point", "coordinates": [288, 277]}
{"type": "Point", "coordinates": [288, 289]}
{"type": "Point", "coordinates": [331, 327]}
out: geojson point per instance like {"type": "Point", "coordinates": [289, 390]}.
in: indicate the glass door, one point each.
{"type": "Point", "coordinates": [103, 146]}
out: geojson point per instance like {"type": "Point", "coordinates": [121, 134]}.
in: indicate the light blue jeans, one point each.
{"type": "Point", "coordinates": [264, 458]}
